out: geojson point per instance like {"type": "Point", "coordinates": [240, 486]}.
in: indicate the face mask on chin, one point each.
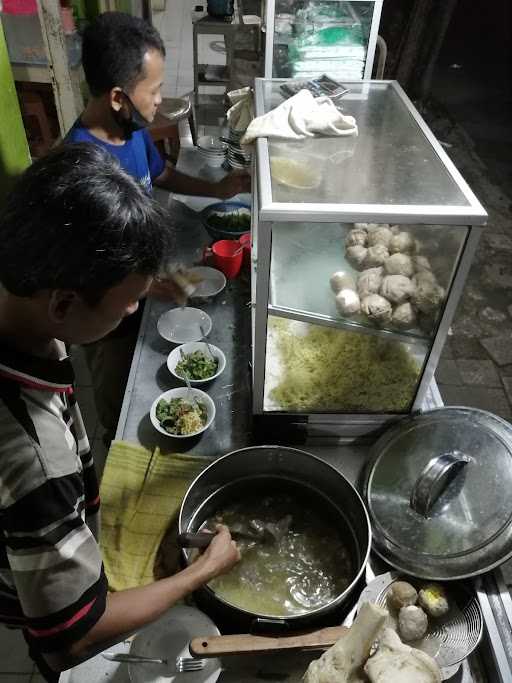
{"type": "Point", "coordinates": [135, 121]}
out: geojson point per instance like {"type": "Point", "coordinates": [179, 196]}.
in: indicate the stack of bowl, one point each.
{"type": "Point", "coordinates": [238, 157]}
{"type": "Point", "coordinates": [212, 149]}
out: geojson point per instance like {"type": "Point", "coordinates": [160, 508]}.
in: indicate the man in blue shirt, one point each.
{"type": "Point", "coordinates": [123, 61]}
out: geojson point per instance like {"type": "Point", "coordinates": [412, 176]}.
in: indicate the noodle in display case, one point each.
{"type": "Point", "coordinates": [355, 276]}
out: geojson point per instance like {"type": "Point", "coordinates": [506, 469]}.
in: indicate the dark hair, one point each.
{"type": "Point", "coordinates": [75, 220]}
{"type": "Point", "coordinates": [113, 50]}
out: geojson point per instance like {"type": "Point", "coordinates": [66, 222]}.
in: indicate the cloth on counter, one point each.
{"type": "Point", "coordinates": [241, 112]}
{"type": "Point", "coordinates": [300, 117]}
{"type": "Point", "coordinates": [141, 493]}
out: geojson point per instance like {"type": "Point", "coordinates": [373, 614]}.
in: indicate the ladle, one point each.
{"type": "Point", "coordinates": [260, 532]}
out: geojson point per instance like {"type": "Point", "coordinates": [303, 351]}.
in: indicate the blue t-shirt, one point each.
{"type": "Point", "coordinates": [138, 156]}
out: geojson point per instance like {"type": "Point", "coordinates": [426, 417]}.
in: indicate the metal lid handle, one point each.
{"type": "Point", "coordinates": [434, 479]}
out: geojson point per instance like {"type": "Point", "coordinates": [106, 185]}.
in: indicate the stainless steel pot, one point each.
{"type": "Point", "coordinates": [286, 469]}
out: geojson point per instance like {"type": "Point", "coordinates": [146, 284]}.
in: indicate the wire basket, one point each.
{"type": "Point", "coordinates": [449, 639]}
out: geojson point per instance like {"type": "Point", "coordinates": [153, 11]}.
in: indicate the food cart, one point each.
{"type": "Point", "coordinates": [361, 182]}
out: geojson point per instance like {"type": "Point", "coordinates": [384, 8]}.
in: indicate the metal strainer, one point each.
{"type": "Point", "coordinates": [449, 639]}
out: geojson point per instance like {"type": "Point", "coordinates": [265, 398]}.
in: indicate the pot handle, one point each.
{"type": "Point", "coordinates": [434, 479]}
{"type": "Point", "coordinates": [201, 539]}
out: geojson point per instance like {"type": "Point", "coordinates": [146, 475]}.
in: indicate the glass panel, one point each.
{"type": "Point", "coordinates": [316, 37]}
{"type": "Point", "coordinates": [310, 368]}
{"type": "Point", "coordinates": [399, 275]}
{"type": "Point", "coordinates": [390, 161]}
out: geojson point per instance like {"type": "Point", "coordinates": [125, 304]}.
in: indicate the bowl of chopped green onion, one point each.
{"type": "Point", "coordinates": [182, 413]}
{"type": "Point", "coordinates": [194, 360]}
{"type": "Point", "coordinates": [226, 220]}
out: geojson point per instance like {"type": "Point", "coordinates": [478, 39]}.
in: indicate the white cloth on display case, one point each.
{"type": "Point", "coordinates": [301, 116]}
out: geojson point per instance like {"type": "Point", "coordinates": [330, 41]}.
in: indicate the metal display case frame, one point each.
{"type": "Point", "coordinates": [266, 211]}
{"type": "Point", "coordinates": [370, 47]}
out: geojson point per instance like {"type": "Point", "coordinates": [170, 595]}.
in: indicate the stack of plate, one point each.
{"type": "Point", "coordinates": [212, 150]}
{"type": "Point", "coordinates": [238, 157]}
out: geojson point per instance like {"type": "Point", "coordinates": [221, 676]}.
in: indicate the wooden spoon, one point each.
{"type": "Point", "coordinates": [245, 643]}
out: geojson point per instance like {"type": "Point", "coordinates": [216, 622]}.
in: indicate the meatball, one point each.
{"type": "Point", "coordinates": [377, 308]}
{"type": "Point", "coordinates": [369, 282]}
{"type": "Point", "coordinates": [356, 237]}
{"type": "Point", "coordinates": [341, 280]}
{"type": "Point", "coordinates": [356, 256]}
{"type": "Point", "coordinates": [347, 302]}
{"type": "Point", "coordinates": [402, 594]}
{"type": "Point", "coordinates": [412, 623]}
{"type": "Point", "coordinates": [432, 598]}
{"type": "Point", "coordinates": [399, 264]}
{"type": "Point", "coordinates": [376, 256]}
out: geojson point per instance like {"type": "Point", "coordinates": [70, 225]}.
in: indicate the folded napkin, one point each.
{"type": "Point", "coordinates": [141, 494]}
{"type": "Point", "coordinates": [301, 116]}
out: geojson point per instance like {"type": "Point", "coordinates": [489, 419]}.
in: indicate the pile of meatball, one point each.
{"type": "Point", "coordinates": [396, 286]}
{"type": "Point", "coordinates": [415, 608]}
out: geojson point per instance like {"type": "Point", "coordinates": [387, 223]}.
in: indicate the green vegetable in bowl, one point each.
{"type": "Point", "coordinates": [237, 221]}
{"type": "Point", "coordinates": [180, 417]}
{"type": "Point", "coordinates": [197, 365]}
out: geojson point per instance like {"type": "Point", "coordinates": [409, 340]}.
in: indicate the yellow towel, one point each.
{"type": "Point", "coordinates": [141, 494]}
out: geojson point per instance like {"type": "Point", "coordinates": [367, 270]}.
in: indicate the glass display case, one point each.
{"type": "Point", "coordinates": [361, 246]}
{"type": "Point", "coordinates": [308, 38]}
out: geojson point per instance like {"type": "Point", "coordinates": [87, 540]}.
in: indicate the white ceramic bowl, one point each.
{"type": "Point", "coordinates": [181, 325]}
{"type": "Point", "coordinates": [213, 281]}
{"type": "Point", "coordinates": [181, 392]}
{"type": "Point", "coordinates": [175, 356]}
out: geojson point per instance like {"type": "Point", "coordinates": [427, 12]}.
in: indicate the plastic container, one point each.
{"type": "Point", "coordinates": [227, 257]}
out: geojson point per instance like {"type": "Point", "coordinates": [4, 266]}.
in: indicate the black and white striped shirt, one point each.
{"type": "Point", "coordinates": [51, 574]}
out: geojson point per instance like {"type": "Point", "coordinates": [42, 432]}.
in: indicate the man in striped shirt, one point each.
{"type": "Point", "coordinates": [80, 242]}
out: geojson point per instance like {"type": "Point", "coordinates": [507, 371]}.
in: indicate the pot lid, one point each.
{"type": "Point", "coordinates": [438, 489]}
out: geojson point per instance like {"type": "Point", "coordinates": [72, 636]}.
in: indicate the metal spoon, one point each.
{"type": "Point", "coordinates": [203, 339]}
{"type": "Point", "coordinates": [189, 396]}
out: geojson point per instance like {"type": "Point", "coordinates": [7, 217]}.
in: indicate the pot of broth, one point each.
{"type": "Point", "coordinates": [303, 532]}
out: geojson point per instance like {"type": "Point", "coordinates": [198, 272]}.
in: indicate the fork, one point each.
{"type": "Point", "coordinates": [182, 664]}
{"type": "Point", "coordinates": [189, 664]}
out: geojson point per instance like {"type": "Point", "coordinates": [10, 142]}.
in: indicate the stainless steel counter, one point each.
{"type": "Point", "coordinates": [231, 331]}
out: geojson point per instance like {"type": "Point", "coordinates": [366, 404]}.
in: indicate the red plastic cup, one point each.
{"type": "Point", "coordinates": [227, 257]}
{"type": "Point", "coordinates": [245, 241]}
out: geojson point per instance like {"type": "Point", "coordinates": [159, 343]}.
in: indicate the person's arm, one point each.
{"type": "Point", "coordinates": [180, 183]}
{"type": "Point", "coordinates": [127, 611]}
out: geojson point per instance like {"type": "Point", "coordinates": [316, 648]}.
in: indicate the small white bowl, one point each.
{"type": "Point", "coordinates": [175, 356]}
{"type": "Point", "coordinates": [181, 325]}
{"type": "Point", "coordinates": [212, 282]}
{"type": "Point", "coordinates": [181, 392]}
